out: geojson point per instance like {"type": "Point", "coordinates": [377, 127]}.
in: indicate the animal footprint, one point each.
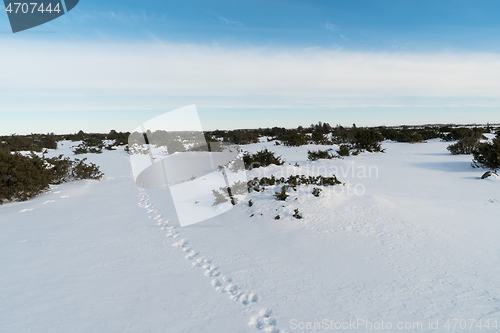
{"type": "Point", "coordinates": [231, 288]}
{"type": "Point", "coordinates": [181, 243]}
{"type": "Point", "coordinates": [212, 272]}
{"type": "Point", "coordinates": [191, 255]}
{"type": "Point", "coordinates": [264, 319]}
{"type": "Point", "coordinates": [253, 298]}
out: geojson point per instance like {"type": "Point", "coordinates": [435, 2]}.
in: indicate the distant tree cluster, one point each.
{"type": "Point", "coordinates": [89, 145]}
{"type": "Point", "coordinates": [32, 142]}
{"type": "Point", "coordinates": [238, 137]}
{"type": "Point", "coordinates": [361, 139]}
{"type": "Point", "coordinates": [459, 133]}
{"type": "Point", "coordinates": [93, 143]}
{"type": "Point", "coordinates": [410, 135]}
{"type": "Point", "coordinates": [120, 138]}
{"type": "Point", "coordinates": [241, 137]}
{"type": "Point", "coordinates": [292, 138]}
{"type": "Point", "coordinates": [24, 177]}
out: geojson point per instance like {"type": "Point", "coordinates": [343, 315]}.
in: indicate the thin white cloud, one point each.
{"type": "Point", "coordinates": [129, 17]}
{"type": "Point", "coordinates": [150, 76]}
{"type": "Point", "coordinates": [330, 26]}
{"type": "Point", "coordinates": [230, 22]}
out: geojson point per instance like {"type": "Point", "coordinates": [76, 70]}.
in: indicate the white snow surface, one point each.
{"type": "Point", "coordinates": [421, 244]}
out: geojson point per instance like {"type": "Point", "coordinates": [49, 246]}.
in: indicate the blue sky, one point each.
{"type": "Point", "coordinates": [253, 64]}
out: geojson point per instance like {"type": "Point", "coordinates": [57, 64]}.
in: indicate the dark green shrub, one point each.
{"type": "Point", "coordinates": [368, 139]}
{"type": "Point", "coordinates": [318, 137]}
{"type": "Point", "coordinates": [463, 146]}
{"type": "Point", "coordinates": [32, 142]}
{"type": "Point", "coordinates": [414, 135]}
{"type": "Point", "coordinates": [120, 138]}
{"type": "Point", "coordinates": [344, 150]}
{"type": "Point", "coordinates": [468, 141]}
{"type": "Point", "coordinates": [90, 145]}
{"type": "Point", "coordinates": [292, 138]}
{"type": "Point", "coordinates": [262, 158]}
{"type": "Point", "coordinates": [80, 170]}
{"type": "Point", "coordinates": [463, 133]}
{"type": "Point", "coordinates": [343, 135]}
{"type": "Point", "coordinates": [320, 154]}
{"type": "Point", "coordinates": [241, 137]}
{"type": "Point", "coordinates": [487, 155]}
{"type": "Point", "coordinates": [277, 217]}
{"type": "Point", "coordinates": [24, 177]}
{"type": "Point", "coordinates": [61, 169]}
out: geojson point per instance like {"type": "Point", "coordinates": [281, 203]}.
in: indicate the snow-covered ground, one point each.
{"type": "Point", "coordinates": [411, 240]}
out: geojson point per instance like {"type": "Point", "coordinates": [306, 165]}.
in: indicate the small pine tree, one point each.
{"type": "Point", "coordinates": [296, 214]}
{"type": "Point", "coordinates": [316, 191]}
{"type": "Point", "coordinates": [282, 194]}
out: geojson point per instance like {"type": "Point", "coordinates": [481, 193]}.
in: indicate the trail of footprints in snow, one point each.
{"type": "Point", "coordinates": [223, 284]}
